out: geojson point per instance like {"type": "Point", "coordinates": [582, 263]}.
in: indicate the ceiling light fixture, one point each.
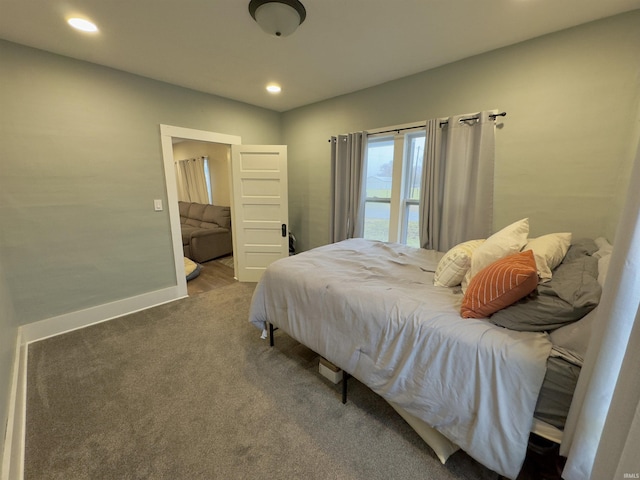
{"type": "Point", "coordinates": [273, 88]}
{"type": "Point", "coordinates": [278, 17]}
{"type": "Point", "coordinates": [82, 24]}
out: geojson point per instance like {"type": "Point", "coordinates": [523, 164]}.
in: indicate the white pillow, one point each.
{"type": "Point", "coordinates": [604, 247]}
{"type": "Point", "coordinates": [507, 241]}
{"type": "Point", "coordinates": [603, 268]}
{"type": "Point", "coordinates": [454, 265]}
{"type": "Point", "coordinates": [549, 250]}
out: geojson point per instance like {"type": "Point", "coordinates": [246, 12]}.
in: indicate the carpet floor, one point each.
{"type": "Point", "coordinates": [188, 390]}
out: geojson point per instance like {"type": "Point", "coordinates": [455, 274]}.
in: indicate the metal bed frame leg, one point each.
{"type": "Point", "coordinates": [345, 377]}
{"type": "Point", "coordinates": [271, 330]}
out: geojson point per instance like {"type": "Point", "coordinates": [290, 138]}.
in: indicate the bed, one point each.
{"type": "Point", "coordinates": [372, 309]}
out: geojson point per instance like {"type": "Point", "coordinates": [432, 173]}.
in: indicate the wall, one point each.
{"type": "Point", "coordinates": [80, 165]}
{"type": "Point", "coordinates": [563, 150]}
{"type": "Point", "coordinates": [219, 156]}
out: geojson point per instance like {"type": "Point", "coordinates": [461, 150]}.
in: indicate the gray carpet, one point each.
{"type": "Point", "coordinates": [188, 390]}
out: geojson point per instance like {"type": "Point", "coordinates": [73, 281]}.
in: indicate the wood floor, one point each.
{"type": "Point", "coordinates": [214, 274]}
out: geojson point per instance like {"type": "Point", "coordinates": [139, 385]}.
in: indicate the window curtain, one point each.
{"type": "Point", "coordinates": [603, 427]}
{"type": "Point", "coordinates": [347, 174]}
{"type": "Point", "coordinates": [457, 183]}
{"type": "Point", "coordinates": [191, 180]}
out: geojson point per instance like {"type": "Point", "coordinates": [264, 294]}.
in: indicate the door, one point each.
{"type": "Point", "coordinates": [259, 204]}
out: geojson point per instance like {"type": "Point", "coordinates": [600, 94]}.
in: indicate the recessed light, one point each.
{"type": "Point", "coordinates": [82, 24]}
{"type": "Point", "coordinates": [273, 88]}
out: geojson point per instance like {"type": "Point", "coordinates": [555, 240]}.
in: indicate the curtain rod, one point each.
{"type": "Point", "coordinates": [446, 122]}
{"type": "Point", "coordinates": [204, 157]}
{"type": "Point", "coordinates": [476, 117]}
{"type": "Point", "coordinates": [397, 130]}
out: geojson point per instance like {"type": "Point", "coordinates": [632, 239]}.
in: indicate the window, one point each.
{"type": "Point", "coordinates": [392, 186]}
{"type": "Point", "coordinates": [207, 176]}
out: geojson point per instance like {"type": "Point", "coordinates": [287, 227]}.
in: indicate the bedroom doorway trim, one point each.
{"type": "Point", "coordinates": [167, 134]}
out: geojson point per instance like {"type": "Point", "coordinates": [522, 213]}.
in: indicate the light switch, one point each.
{"type": "Point", "coordinates": [157, 205]}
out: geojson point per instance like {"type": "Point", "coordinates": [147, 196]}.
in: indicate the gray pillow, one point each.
{"type": "Point", "coordinates": [572, 293]}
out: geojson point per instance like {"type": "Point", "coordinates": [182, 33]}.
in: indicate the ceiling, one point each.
{"type": "Point", "coordinates": [215, 46]}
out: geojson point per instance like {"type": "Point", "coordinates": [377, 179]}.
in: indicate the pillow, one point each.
{"type": "Point", "coordinates": [454, 265]}
{"type": "Point", "coordinates": [191, 269]}
{"type": "Point", "coordinates": [572, 293]}
{"type": "Point", "coordinates": [549, 250]}
{"type": "Point", "coordinates": [507, 241]}
{"type": "Point", "coordinates": [603, 268]}
{"type": "Point", "coordinates": [605, 249]}
{"type": "Point", "coordinates": [500, 284]}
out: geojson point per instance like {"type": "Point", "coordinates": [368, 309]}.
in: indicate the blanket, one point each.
{"type": "Point", "coordinates": [372, 309]}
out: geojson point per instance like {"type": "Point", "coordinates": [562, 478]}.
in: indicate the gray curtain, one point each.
{"type": "Point", "coordinates": [347, 178]}
{"type": "Point", "coordinates": [603, 427]}
{"type": "Point", "coordinates": [457, 183]}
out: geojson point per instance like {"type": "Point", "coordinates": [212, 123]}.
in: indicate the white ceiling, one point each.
{"type": "Point", "coordinates": [343, 46]}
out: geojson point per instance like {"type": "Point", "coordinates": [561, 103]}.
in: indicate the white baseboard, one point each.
{"type": "Point", "coordinates": [13, 452]}
{"type": "Point", "coordinates": [50, 327]}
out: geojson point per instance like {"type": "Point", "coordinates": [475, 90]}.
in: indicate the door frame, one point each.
{"type": "Point", "coordinates": [167, 134]}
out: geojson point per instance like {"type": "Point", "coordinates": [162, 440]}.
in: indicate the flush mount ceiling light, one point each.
{"type": "Point", "coordinates": [273, 88]}
{"type": "Point", "coordinates": [278, 17]}
{"type": "Point", "coordinates": [82, 24]}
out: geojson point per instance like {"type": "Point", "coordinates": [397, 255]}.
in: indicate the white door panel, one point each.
{"type": "Point", "coordinates": [260, 206]}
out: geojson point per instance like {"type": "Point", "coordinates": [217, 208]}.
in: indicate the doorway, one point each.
{"type": "Point", "coordinates": [170, 135]}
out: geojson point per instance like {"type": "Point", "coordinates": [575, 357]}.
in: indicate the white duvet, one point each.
{"type": "Point", "coordinates": [372, 309]}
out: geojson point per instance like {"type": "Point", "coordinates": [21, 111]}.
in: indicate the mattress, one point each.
{"type": "Point", "coordinates": [556, 392]}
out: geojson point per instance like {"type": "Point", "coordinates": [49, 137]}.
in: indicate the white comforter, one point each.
{"type": "Point", "coordinates": [372, 309]}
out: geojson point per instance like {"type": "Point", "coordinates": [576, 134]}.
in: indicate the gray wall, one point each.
{"type": "Point", "coordinates": [563, 151]}
{"type": "Point", "coordinates": [80, 165]}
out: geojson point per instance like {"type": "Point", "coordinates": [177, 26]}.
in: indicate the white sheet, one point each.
{"type": "Point", "coordinates": [372, 309]}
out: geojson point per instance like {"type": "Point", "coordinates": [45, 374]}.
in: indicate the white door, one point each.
{"type": "Point", "coordinates": [260, 208]}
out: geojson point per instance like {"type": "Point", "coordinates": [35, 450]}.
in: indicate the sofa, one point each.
{"type": "Point", "coordinates": [206, 231]}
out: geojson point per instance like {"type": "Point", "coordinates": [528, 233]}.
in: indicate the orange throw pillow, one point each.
{"type": "Point", "coordinates": [500, 284]}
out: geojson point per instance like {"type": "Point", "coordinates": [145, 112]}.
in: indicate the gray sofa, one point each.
{"type": "Point", "coordinates": [206, 231]}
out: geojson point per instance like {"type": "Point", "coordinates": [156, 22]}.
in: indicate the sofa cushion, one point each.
{"type": "Point", "coordinates": [204, 216]}
{"type": "Point", "coordinates": [196, 211]}
{"type": "Point", "coordinates": [217, 215]}
{"type": "Point", "coordinates": [183, 208]}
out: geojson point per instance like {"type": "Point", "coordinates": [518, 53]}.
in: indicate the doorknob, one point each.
{"type": "Point", "coordinates": [284, 229]}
